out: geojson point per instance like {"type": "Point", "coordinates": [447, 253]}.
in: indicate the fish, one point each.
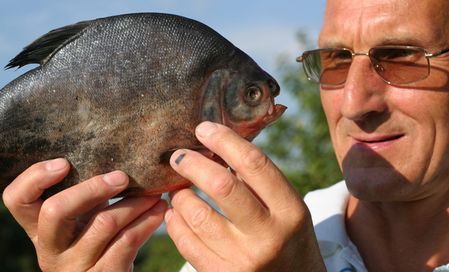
{"type": "Point", "coordinates": [125, 91]}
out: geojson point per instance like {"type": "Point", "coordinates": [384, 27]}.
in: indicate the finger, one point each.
{"type": "Point", "coordinates": [22, 196]}
{"type": "Point", "coordinates": [122, 251]}
{"type": "Point", "coordinates": [105, 225]}
{"type": "Point", "coordinates": [251, 164]}
{"type": "Point", "coordinates": [211, 227]}
{"type": "Point", "coordinates": [189, 244]}
{"type": "Point", "coordinates": [238, 203]}
{"type": "Point", "coordinates": [59, 213]}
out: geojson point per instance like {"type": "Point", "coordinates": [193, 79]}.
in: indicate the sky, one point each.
{"type": "Point", "coordinates": [264, 29]}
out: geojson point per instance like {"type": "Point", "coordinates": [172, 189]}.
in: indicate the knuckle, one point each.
{"type": "Point", "coordinates": [199, 217]}
{"type": "Point", "coordinates": [180, 198]}
{"type": "Point", "coordinates": [223, 185]}
{"type": "Point", "coordinates": [130, 239]}
{"type": "Point", "coordinates": [184, 244]}
{"type": "Point", "coordinates": [8, 199]}
{"type": "Point", "coordinates": [51, 210]}
{"type": "Point", "coordinates": [204, 223]}
{"type": "Point", "coordinates": [9, 196]}
{"type": "Point", "coordinates": [94, 187]}
{"type": "Point", "coordinates": [34, 171]}
{"type": "Point", "coordinates": [267, 251]}
{"type": "Point", "coordinates": [255, 161]}
{"type": "Point", "coordinates": [105, 223]}
{"type": "Point", "coordinates": [298, 217]}
{"type": "Point", "coordinates": [39, 166]}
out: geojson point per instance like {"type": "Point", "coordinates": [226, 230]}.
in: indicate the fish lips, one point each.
{"type": "Point", "coordinates": [274, 113]}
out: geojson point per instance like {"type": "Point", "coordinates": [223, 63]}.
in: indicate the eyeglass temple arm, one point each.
{"type": "Point", "coordinates": [436, 54]}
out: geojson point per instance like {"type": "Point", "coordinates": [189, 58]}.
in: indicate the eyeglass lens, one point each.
{"type": "Point", "coordinates": [396, 65]}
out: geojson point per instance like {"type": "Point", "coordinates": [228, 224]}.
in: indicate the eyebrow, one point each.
{"type": "Point", "coordinates": [335, 43]}
{"type": "Point", "coordinates": [401, 41]}
{"type": "Point", "coordinates": [331, 43]}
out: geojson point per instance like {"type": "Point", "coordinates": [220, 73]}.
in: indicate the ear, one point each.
{"type": "Point", "coordinates": [212, 99]}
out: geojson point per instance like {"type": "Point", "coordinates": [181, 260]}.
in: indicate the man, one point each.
{"type": "Point", "coordinates": [388, 114]}
{"type": "Point", "coordinates": [389, 121]}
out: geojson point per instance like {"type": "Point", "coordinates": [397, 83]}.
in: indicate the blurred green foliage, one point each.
{"type": "Point", "coordinates": [16, 248]}
{"type": "Point", "coordinates": [298, 143]}
{"type": "Point", "coordinates": [159, 254]}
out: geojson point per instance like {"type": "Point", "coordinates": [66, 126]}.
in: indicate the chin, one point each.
{"type": "Point", "coordinates": [374, 184]}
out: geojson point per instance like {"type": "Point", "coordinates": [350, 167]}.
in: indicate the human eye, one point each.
{"type": "Point", "coordinates": [335, 57]}
{"type": "Point", "coordinates": [396, 54]}
{"type": "Point", "coordinates": [340, 55]}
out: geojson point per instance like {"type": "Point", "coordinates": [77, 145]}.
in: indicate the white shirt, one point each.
{"type": "Point", "coordinates": [328, 207]}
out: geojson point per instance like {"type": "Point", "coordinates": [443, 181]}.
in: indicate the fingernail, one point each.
{"type": "Point", "coordinates": [179, 158]}
{"type": "Point", "coordinates": [56, 164]}
{"type": "Point", "coordinates": [116, 178]}
{"type": "Point", "coordinates": [205, 129]}
{"type": "Point", "coordinates": [168, 215]}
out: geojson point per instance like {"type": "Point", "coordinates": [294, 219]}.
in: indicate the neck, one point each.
{"type": "Point", "coordinates": [403, 236]}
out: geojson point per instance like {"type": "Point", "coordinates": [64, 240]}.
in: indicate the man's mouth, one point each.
{"type": "Point", "coordinates": [377, 141]}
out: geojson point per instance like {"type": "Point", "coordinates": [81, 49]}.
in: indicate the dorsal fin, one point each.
{"type": "Point", "coordinates": [42, 49]}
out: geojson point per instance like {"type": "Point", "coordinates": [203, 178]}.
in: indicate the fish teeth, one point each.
{"type": "Point", "coordinates": [271, 109]}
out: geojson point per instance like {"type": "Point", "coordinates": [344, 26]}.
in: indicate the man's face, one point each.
{"type": "Point", "coordinates": [392, 142]}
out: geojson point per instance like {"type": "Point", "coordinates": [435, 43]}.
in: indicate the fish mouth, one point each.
{"type": "Point", "coordinates": [274, 112]}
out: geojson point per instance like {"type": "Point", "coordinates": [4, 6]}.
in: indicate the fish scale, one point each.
{"type": "Point", "coordinates": [123, 92]}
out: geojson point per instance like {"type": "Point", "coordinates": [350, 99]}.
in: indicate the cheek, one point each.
{"type": "Point", "coordinates": [437, 112]}
{"type": "Point", "coordinates": [424, 116]}
{"type": "Point", "coordinates": [331, 101]}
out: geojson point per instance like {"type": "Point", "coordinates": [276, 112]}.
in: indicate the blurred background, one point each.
{"type": "Point", "coordinates": [273, 33]}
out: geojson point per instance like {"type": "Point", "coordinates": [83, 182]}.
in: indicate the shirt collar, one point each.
{"type": "Point", "coordinates": [328, 207]}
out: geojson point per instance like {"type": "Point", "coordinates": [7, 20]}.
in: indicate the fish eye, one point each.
{"type": "Point", "coordinates": [253, 95]}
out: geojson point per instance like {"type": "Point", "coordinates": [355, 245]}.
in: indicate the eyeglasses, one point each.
{"type": "Point", "coordinates": [396, 65]}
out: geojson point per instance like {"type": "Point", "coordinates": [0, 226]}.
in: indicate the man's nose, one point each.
{"type": "Point", "coordinates": [364, 90]}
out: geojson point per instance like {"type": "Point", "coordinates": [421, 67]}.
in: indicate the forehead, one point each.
{"type": "Point", "coordinates": [361, 24]}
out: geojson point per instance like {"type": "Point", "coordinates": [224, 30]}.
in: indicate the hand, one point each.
{"type": "Point", "coordinates": [75, 230]}
{"type": "Point", "coordinates": [265, 226]}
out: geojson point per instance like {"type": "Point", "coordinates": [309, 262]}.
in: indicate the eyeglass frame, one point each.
{"type": "Point", "coordinates": [427, 55]}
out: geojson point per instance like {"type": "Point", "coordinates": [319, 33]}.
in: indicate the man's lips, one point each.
{"type": "Point", "coordinates": [377, 138]}
{"type": "Point", "coordinates": [376, 142]}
